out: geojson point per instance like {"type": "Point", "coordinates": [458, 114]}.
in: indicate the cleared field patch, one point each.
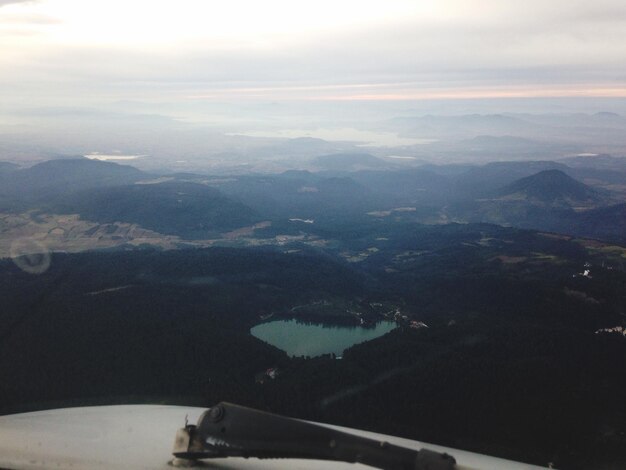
{"type": "Point", "coordinates": [71, 234]}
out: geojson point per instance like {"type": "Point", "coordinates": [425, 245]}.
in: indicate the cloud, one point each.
{"type": "Point", "coordinates": [491, 45]}
{"type": "Point", "coordinates": [29, 19]}
{"type": "Point", "coordinates": [11, 2]}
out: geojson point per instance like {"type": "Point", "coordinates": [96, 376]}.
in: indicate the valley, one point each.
{"type": "Point", "coordinates": [415, 290]}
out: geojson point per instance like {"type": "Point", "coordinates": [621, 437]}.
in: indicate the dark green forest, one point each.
{"type": "Point", "coordinates": [511, 364]}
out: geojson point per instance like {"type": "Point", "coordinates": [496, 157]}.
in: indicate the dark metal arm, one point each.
{"type": "Point", "coordinates": [228, 430]}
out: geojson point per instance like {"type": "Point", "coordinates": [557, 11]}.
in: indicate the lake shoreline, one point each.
{"type": "Point", "coordinates": [298, 338]}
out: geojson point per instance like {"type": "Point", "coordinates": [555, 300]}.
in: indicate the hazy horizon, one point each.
{"type": "Point", "coordinates": [221, 84]}
{"type": "Point", "coordinates": [68, 52]}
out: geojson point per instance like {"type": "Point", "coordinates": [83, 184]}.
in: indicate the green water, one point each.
{"type": "Point", "coordinates": [299, 339]}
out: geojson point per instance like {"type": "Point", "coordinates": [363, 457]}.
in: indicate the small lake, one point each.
{"type": "Point", "coordinates": [300, 339]}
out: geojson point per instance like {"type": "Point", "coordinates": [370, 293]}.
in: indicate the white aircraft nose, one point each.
{"type": "Point", "coordinates": [142, 436]}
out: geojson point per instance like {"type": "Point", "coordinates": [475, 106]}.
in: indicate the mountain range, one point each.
{"type": "Point", "coordinates": [541, 195]}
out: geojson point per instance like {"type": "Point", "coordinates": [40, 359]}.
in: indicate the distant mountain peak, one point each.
{"type": "Point", "coordinates": [83, 164]}
{"type": "Point", "coordinates": [550, 187]}
{"type": "Point", "coordinates": [607, 114]}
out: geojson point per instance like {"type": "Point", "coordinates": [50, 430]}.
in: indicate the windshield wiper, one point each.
{"type": "Point", "coordinates": [228, 430]}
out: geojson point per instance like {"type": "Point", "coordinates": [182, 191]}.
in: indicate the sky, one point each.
{"type": "Point", "coordinates": [88, 53]}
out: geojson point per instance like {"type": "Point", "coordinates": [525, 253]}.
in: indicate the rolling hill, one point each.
{"type": "Point", "coordinates": [299, 194]}
{"type": "Point", "coordinates": [551, 188]}
{"type": "Point", "coordinates": [407, 186]}
{"type": "Point", "coordinates": [485, 179]}
{"type": "Point", "coordinates": [604, 223]}
{"type": "Point", "coordinates": [55, 177]}
{"type": "Point", "coordinates": [189, 210]}
{"type": "Point", "coordinates": [8, 166]}
{"type": "Point", "coordinates": [548, 200]}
